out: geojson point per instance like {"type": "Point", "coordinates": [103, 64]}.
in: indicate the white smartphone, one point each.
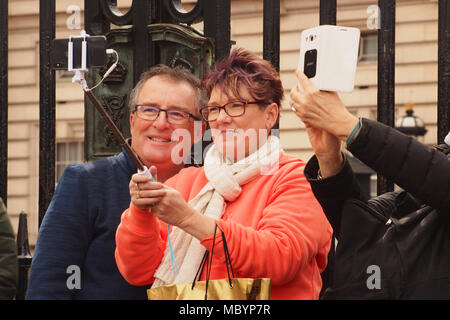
{"type": "Point", "coordinates": [328, 56]}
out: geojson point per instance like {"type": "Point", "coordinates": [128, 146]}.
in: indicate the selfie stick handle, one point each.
{"type": "Point", "coordinates": [146, 172]}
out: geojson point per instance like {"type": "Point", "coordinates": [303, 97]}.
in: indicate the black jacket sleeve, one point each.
{"type": "Point", "coordinates": [332, 192]}
{"type": "Point", "coordinates": [420, 170]}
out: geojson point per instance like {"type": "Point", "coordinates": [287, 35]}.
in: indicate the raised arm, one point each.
{"type": "Point", "coordinates": [419, 169]}
{"type": "Point", "coordinates": [333, 191]}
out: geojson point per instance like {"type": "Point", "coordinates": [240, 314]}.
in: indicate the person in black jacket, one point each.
{"type": "Point", "coordinates": [396, 245]}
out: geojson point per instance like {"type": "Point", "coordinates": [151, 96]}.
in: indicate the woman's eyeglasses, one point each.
{"type": "Point", "coordinates": [173, 116]}
{"type": "Point", "coordinates": [233, 109]}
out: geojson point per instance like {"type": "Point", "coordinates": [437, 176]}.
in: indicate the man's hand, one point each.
{"type": "Point", "coordinates": [143, 191]}
{"type": "Point", "coordinates": [168, 205]}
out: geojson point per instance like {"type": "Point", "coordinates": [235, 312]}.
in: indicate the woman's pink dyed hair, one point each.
{"type": "Point", "coordinates": [243, 67]}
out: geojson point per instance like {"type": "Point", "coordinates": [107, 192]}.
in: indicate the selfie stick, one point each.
{"type": "Point", "coordinates": [79, 78]}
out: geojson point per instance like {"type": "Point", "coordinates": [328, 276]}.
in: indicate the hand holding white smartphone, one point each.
{"type": "Point", "coordinates": [328, 56]}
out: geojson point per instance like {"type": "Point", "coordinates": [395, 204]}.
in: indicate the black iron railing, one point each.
{"type": "Point", "coordinates": [3, 99]}
{"type": "Point", "coordinates": [386, 75]}
{"type": "Point", "coordinates": [23, 256]}
{"type": "Point", "coordinates": [443, 70]}
{"type": "Point", "coordinates": [47, 117]}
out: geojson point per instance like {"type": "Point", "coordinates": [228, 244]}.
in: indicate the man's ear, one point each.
{"type": "Point", "coordinates": [271, 114]}
{"type": "Point", "coordinates": [131, 121]}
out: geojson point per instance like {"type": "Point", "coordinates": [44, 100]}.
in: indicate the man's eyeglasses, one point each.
{"type": "Point", "coordinates": [233, 109]}
{"type": "Point", "coordinates": [173, 116]}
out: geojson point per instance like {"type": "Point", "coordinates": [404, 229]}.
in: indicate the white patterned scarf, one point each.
{"type": "Point", "coordinates": [225, 181]}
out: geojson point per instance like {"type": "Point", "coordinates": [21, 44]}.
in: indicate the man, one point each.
{"type": "Point", "coordinates": [74, 257]}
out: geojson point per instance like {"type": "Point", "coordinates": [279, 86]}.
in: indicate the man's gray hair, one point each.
{"type": "Point", "coordinates": [177, 74]}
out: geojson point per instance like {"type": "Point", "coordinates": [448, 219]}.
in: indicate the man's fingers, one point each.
{"type": "Point", "coordinates": [151, 186]}
{"type": "Point", "coordinates": [141, 183]}
{"type": "Point", "coordinates": [145, 202]}
{"type": "Point", "coordinates": [140, 178]}
{"type": "Point", "coordinates": [154, 172]}
{"type": "Point", "coordinates": [151, 193]}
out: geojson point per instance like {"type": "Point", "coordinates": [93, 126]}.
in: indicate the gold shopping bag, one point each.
{"type": "Point", "coordinates": [221, 289]}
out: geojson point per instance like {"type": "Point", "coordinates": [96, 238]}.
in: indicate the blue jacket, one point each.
{"type": "Point", "coordinates": [74, 256]}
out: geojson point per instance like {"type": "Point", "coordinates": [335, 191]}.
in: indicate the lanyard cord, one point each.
{"type": "Point", "coordinates": [172, 255]}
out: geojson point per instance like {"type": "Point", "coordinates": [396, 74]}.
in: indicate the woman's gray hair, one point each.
{"type": "Point", "coordinates": [178, 74]}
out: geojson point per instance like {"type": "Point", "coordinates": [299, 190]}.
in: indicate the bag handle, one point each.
{"type": "Point", "coordinates": [209, 263]}
{"type": "Point", "coordinates": [227, 258]}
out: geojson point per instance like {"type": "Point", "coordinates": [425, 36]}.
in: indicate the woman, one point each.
{"type": "Point", "coordinates": [256, 194]}
{"type": "Point", "coordinates": [393, 246]}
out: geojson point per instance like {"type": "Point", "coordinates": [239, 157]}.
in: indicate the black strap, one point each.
{"type": "Point", "coordinates": [209, 266]}
{"type": "Point", "coordinates": [227, 259]}
{"type": "Point", "coordinates": [198, 274]}
{"type": "Point", "coordinates": [209, 263]}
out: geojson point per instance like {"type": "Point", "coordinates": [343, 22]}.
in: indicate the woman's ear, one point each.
{"type": "Point", "coordinates": [271, 114]}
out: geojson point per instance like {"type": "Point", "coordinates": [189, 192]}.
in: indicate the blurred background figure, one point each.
{"type": "Point", "coordinates": [8, 256]}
